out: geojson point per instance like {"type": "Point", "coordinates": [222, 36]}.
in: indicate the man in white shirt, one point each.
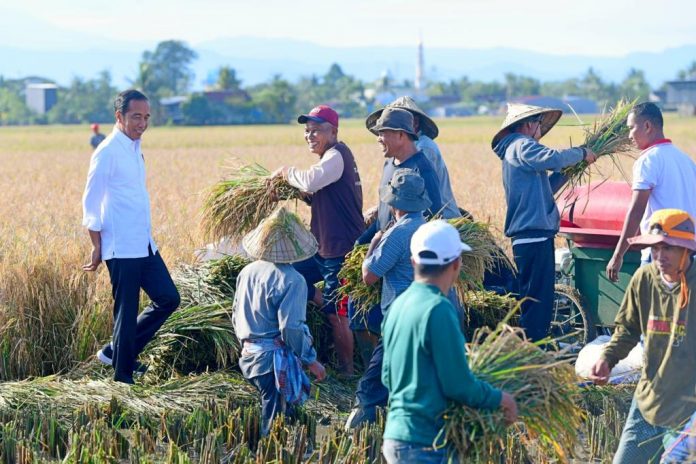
{"type": "Point", "coordinates": [334, 193]}
{"type": "Point", "coordinates": [116, 212]}
{"type": "Point", "coordinates": [664, 177]}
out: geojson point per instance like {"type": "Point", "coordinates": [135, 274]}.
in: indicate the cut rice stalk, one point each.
{"type": "Point", "coordinates": [237, 205]}
{"type": "Point", "coordinates": [608, 136]}
{"type": "Point", "coordinates": [364, 297]}
{"type": "Point", "coordinates": [545, 389]}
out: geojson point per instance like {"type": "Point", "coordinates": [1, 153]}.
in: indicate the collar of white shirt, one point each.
{"type": "Point", "coordinates": [127, 143]}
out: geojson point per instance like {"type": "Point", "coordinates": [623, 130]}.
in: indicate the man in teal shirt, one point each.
{"type": "Point", "coordinates": [425, 364]}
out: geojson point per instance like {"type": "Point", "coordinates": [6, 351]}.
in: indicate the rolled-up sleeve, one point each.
{"type": "Point", "coordinates": [95, 190]}
{"type": "Point", "coordinates": [291, 320]}
{"type": "Point", "coordinates": [327, 171]}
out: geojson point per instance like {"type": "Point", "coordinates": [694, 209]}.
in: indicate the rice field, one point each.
{"type": "Point", "coordinates": [53, 316]}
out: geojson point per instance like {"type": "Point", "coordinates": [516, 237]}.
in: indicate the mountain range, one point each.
{"type": "Point", "coordinates": [258, 59]}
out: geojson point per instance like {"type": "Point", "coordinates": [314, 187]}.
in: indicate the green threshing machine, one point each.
{"type": "Point", "coordinates": [586, 301]}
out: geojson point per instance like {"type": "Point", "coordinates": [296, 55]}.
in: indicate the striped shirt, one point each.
{"type": "Point", "coordinates": [391, 258]}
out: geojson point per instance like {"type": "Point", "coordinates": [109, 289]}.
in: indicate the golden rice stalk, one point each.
{"type": "Point", "coordinates": [364, 297]}
{"type": "Point", "coordinates": [485, 308]}
{"type": "Point", "coordinates": [484, 254]}
{"type": "Point", "coordinates": [544, 386]}
{"type": "Point", "coordinates": [235, 206]}
{"type": "Point", "coordinates": [608, 136]}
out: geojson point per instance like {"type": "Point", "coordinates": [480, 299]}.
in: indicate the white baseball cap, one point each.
{"type": "Point", "coordinates": [437, 242]}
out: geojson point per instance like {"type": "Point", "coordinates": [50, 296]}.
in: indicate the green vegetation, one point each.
{"type": "Point", "coordinates": [166, 72]}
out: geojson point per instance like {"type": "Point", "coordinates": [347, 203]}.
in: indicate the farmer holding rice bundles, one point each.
{"type": "Point", "coordinates": [389, 258]}
{"type": "Point", "coordinates": [333, 189]}
{"type": "Point", "coordinates": [532, 218]}
{"type": "Point", "coordinates": [397, 138]}
{"type": "Point", "coordinates": [269, 315]}
{"type": "Point", "coordinates": [425, 363]}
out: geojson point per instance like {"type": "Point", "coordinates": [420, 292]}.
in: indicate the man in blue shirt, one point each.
{"type": "Point", "coordinates": [532, 218]}
{"type": "Point", "coordinates": [388, 258]}
{"type": "Point", "coordinates": [427, 131]}
{"type": "Point", "coordinates": [397, 137]}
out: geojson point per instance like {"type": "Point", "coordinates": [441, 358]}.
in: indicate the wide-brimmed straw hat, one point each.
{"type": "Point", "coordinates": [280, 238]}
{"type": "Point", "coordinates": [516, 112]}
{"type": "Point", "coordinates": [406, 191]}
{"type": "Point", "coordinates": [427, 126]}
{"type": "Point", "coordinates": [394, 119]}
{"type": "Point", "coordinates": [671, 226]}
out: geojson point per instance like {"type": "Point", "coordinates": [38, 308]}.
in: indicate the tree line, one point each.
{"type": "Point", "coordinates": [166, 72]}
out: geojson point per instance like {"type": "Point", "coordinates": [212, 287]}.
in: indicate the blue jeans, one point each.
{"type": "Point", "coordinates": [317, 269]}
{"type": "Point", "coordinates": [132, 331]}
{"type": "Point", "coordinates": [397, 451]}
{"type": "Point", "coordinates": [641, 442]}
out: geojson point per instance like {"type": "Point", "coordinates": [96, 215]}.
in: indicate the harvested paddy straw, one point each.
{"type": "Point", "coordinates": [544, 386]}
{"type": "Point", "coordinates": [210, 282]}
{"type": "Point", "coordinates": [484, 254]}
{"type": "Point", "coordinates": [608, 136]}
{"type": "Point", "coordinates": [237, 205]}
{"type": "Point", "coordinates": [485, 308]}
{"type": "Point", "coordinates": [364, 296]}
{"type": "Point", "coordinates": [193, 339]}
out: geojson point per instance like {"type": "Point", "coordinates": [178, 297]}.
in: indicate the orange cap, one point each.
{"type": "Point", "coordinates": [671, 226]}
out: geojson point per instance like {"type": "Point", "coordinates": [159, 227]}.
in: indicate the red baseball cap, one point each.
{"type": "Point", "coordinates": [321, 113]}
{"type": "Point", "coordinates": [95, 126]}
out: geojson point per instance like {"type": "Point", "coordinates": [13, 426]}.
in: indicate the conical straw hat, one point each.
{"type": "Point", "coordinates": [516, 112]}
{"type": "Point", "coordinates": [280, 238]}
{"type": "Point", "coordinates": [427, 125]}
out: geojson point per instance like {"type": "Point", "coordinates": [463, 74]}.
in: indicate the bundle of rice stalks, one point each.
{"type": "Point", "coordinates": [544, 386]}
{"type": "Point", "coordinates": [210, 282]}
{"type": "Point", "coordinates": [364, 297]}
{"type": "Point", "coordinates": [237, 205]}
{"type": "Point", "coordinates": [193, 339]}
{"type": "Point", "coordinates": [484, 256]}
{"type": "Point", "coordinates": [608, 136]}
{"type": "Point", "coordinates": [485, 308]}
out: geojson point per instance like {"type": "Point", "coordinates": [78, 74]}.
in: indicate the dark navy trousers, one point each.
{"type": "Point", "coordinates": [536, 270]}
{"type": "Point", "coordinates": [132, 331]}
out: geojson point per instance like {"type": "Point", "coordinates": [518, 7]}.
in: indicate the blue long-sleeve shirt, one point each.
{"type": "Point", "coordinates": [419, 163]}
{"type": "Point", "coordinates": [529, 189]}
{"type": "Point", "coordinates": [270, 302]}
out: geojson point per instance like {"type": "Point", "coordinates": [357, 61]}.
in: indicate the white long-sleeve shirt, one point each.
{"type": "Point", "coordinates": [115, 202]}
{"type": "Point", "coordinates": [327, 171]}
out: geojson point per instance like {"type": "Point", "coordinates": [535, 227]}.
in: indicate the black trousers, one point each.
{"type": "Point", "coordinates": [132, 331]}
{"type": "Point", "coordinates": [536, 279]}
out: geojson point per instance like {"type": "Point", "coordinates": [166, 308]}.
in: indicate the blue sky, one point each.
{"type": "Point", "coordinates": [589, 27]}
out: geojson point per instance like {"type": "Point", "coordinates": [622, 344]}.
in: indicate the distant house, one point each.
{"type": "Point", "coordinates": [681, 96]}
{"type": "Point", "coordinates": [451, 111]}
{"type": "Point", "coordinates": [171, 108]}
{"type": "Point", "coordinates": [224, 96]}
{"type": "Point", "coordinates": [41, 97]}
{"type": "Point", "coordinates": [578, 104]}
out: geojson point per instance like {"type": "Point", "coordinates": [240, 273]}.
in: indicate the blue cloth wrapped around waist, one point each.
{"type": "Point", "coordinates": [290, 379]}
